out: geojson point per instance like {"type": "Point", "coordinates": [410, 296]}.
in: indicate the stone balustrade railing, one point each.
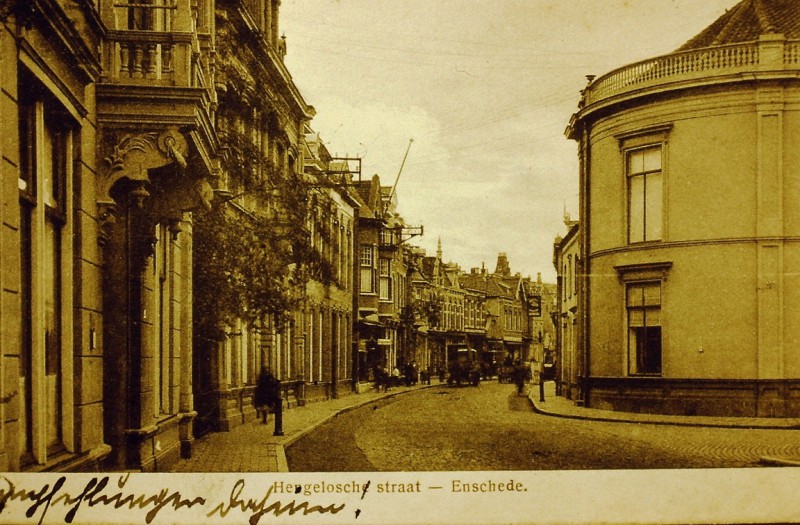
{"type": "Point", "coordinates": [152, 57]}
{"type": "Point", "coordinates": [771, 53]}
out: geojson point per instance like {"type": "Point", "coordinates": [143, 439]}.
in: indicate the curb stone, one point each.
{"type": "Point", "coordinates": [654, 420]}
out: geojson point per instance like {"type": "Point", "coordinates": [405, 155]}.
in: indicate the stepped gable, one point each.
{"type": "Point", "coordinates": [747, 21]}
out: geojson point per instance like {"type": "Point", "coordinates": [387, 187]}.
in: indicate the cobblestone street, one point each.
{"type": "Point", "coordinates": [252, 447]}
{"type": "Point", "coordinates": [490, 428]}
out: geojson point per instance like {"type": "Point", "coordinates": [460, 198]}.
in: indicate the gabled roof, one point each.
{"type": "Point", "coordinates": [486, 283]}
{"type": "Point", "coordinates": [370, 193]}
{"type": "Point", "coordinates": [747, 21]}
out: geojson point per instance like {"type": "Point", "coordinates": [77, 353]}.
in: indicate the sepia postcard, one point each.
{"type": "Point", "coordinates": [399, 262]}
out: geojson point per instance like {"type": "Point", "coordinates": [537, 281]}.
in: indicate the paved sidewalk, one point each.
{"type": "Point", "coordinates": [562, 407]}
{"type": "Point", "coordinates": [251, 447]}
{"type": "Point", "coordinates": [559, 406]}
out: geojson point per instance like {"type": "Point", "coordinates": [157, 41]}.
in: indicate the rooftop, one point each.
{"type": "Point", "coordinates": [747, 21]}
{"type": "Point", "coordinates": [752, 39]}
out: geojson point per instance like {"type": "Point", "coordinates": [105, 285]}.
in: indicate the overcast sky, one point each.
{"type": "Point", "coordinates": [485, 89]}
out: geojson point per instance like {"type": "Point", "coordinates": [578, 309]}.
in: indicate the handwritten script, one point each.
{"type": "Point", "coordinates": [100, 491]}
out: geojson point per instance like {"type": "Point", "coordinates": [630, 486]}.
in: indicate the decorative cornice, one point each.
{"type": "Point", "coordinates": [660, 129]}
{"type": "Point", "coordinates": [640, 271]}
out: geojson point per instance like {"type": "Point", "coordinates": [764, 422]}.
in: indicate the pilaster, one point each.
{"type": "Point", "coordinates": [769, 229]}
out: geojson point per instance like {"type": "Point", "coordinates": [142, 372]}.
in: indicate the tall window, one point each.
{"type": "Point", "coordinates": [163, 297]}
{"type": "Point", "coordinates": [149, 15]}
{"type": "Point", "coordinates": [45, 143]}
{"type": "Point", "coordinates": [385, 275]}
{"type": "Point", "coordinates": [645, 195]}
{"type": "Point", "coordinates": [569, 275]}
{"type": "Point", "coordinates": [367, 263]}
{"type": "Point", "coordinates": [643, 303]}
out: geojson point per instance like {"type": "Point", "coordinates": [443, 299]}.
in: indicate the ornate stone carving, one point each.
{"type": "Point", "coordinates": [133, 155]}
{"type": "Point", "coordinates": [107, 217]}
{"type": "Point", "coordinates": [148, 172]}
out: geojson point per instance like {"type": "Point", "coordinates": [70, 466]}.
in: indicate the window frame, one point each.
{"type": "Point", "coordinates": [385, 279]}
{"type": "Point", "coordinates": [632, 275]}
{"type": "Point", "coordinates": [46, 144]}
{"type": "Point", "coordinates": [641, 361]}
{"type": "Point", "coordinates": [635, 140]}
{"type": "Point", "coordinates": [367, 261]}
{"type": "Point", "coordinates": [648, 216]}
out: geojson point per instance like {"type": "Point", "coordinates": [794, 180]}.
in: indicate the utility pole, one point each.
{"type": "Point", "coordinates": [391, 194]}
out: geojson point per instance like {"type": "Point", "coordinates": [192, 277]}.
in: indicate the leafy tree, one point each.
{"type": "Point", "coordinates": [253, 254]}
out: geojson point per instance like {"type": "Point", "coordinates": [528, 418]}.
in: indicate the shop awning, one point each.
{"type": "Point", "coordinates": [371, 320]}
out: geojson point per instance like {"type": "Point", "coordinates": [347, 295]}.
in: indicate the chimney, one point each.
{"type": "Point", "coordinates": [539, 277]}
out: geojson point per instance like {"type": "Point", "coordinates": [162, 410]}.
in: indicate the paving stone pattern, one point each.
{"type": "Point", "coordinates": [500, 418]}
{"type": "Point", "coordinates": [252, 447]}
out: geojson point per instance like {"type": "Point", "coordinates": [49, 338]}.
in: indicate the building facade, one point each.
{"type": "Point", "coordinates": [125, 123]}
{"type": "Point", "coordinates": [383, 327]}
{"type": "Point", "coordinates": [569, 367]}
{"type": "Point", "coordinates": [507, 332]}
{"type": "Point", "coordinates": [259, 125]}
{"type": "Point", "coordinates": [326, 319]}
{"type": "Point", "coordinates": [110, 153]}
{"type": "Point", "coordinates": [541, 308]}
{"type": "Point", "coordinates": [689, 222]}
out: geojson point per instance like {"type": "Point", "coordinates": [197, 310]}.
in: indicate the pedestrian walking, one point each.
{"type": "Point", "coordinates": [396, 377]}
{"type": "Point", "coordinates": [519, 375]}
{"type": "Point", "coordinates": [266, 393]}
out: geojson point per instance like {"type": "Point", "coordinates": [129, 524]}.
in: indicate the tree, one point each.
{"type": "Point", "coordinates": [253, 253]}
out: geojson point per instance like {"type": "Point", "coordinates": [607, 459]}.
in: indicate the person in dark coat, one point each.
{"type": "Point", "coordinates": [409, 374]}
{"type": "Point", "coordinates": [519, 374]}
{"type": "Point", "coordinates": [265, 394]}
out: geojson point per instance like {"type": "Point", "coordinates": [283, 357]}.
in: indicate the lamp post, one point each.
{"type": "Point", "coordinates": [541, 382]}
{"type": "Point", "coordinates": [278, 412]}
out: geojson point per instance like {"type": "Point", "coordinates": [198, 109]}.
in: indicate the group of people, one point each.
{"type": "Point", "coordinates": [410, 376]}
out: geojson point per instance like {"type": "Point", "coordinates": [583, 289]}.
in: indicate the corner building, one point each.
{"type": "Point", "coordinates": [690, 224]}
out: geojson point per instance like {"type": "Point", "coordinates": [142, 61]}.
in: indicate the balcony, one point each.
{"type": "Point", "coordinates": [771, 55]}
{"type": "Point", "coordinates": [155, 60]}
{"type": "Point", "coordinates": [392, 237]}
{"type": "Point", "coordinates": [149, 58]}
{"type": "Point", "coordinates": [155, 97]}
